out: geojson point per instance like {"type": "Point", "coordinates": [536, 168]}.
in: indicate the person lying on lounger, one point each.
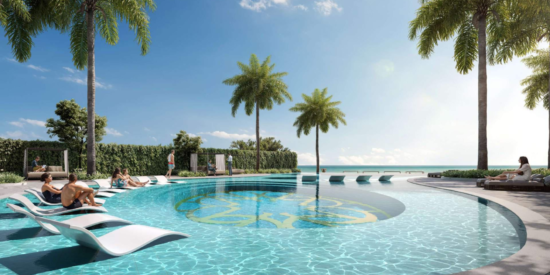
{"type": "Point", "coordinates": [73, 196]}
{"type": "Point", "coordinates": [522, 173]}
{"type": "Point", "coordinates": [51, 194]}
{"type": "Point", "coordinates": [210, 168]}
{"type": "Point", "coordinates": [119, 181]}
{"type": "Point", "coordinates": [127, 177]}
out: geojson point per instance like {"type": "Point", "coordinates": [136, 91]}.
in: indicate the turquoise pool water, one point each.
{"type": "Point", "coordinates": [278, 225]}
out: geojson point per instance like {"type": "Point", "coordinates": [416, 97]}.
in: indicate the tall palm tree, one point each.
{"type": "Point", "coordinates": [258, 87]}
{"type": "Point", "coordinates": [317, 112]}
{"type": "Point", "coordinates": [473, 21]}
{"type": "Point", "coordinates": [25, 19]}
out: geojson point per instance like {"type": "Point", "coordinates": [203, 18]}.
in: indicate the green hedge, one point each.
{"type": "Point", "coordinates": [473, 174]}
{"type": "Point", "coordinates": [10, 178]}
{"type": "Point", "coordinates": [139, 159]}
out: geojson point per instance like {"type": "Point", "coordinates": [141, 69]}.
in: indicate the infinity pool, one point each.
{"type": "Point", "coordinates": [279, 225]}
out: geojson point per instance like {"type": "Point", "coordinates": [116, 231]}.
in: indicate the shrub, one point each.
{"type": "Point", "coordinates": [471, 174]}
{"type": "Point", "coordinates": [96, 176]}
{"type": "Point", "coordinates": [10, 178]}
{"type": "Point", "coordinates": [296, 170]}
{"type": "Point", "coordinates": [189, 174]}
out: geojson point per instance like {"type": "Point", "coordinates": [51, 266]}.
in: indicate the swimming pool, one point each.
{"type": "Point", "coordinates": [279, 225]}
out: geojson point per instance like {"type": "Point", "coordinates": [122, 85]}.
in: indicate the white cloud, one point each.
{"type": "Point", "coordinates": [23, 121]}
{"type": "Point", "coordinates": [173, 135]}
{"type": "Point", "coordinates": [69, 70]}
{"type": "Point", "coordinates": [384, 68]}
{"type": "Point", "coordinates": [154, 138]}
{"type": "Point", "coordinates": [308, 159]}
{"type": "Point", "coordinates": [378, 150]}
{"type": "Point", "coordinates": [146, 129]}
{"type": "Point", "coordinates": [113, 132]}
{"type": "Point", "coordinates": [192, 135]}
{"type": "Point", "coordinates": [301, 7]}
{"type": "Point", "coordinates": [325, 7]}
{"type": "Point", "coordinates": [37, 68]}
{"type": "Point", "coordinates": [84, 81]}
{"type": "Point", "coordinates": [12, 60]}
{"type": "Point", "coordinates": [17, 124]}
{"type": "Point", "coordinates": [379, 156]}
{"type": "Point", "coordinates": [39, 77]}
{"type": "Point", "coordinates": [21, 135]}
{"type": "Point", "coordinates": [222, 134]}
{"type": "Point", "coordinates": [259, 5]}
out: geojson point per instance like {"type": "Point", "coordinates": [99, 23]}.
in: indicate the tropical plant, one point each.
{"type": "Point", "coordinates": [186, 144]}
{"type": "Point", "coordinates": [72, 128]}
{"type": "Point", "coordinates": [10, 178]}
{"type": "Point", "coordinates": [473, 22]}
{"type": "Point", "coordinates": [269, 144]}
{"type": "Point", "coordinates": [258, 87]}
{"type": "Point", "coordinates": [319, 112]}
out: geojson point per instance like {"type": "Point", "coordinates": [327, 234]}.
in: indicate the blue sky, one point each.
{"type": "Point", "coordinates": [400, 108]}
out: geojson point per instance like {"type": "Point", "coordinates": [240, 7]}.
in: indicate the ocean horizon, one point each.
{"type": "Point", "coordinates": [402, 168]}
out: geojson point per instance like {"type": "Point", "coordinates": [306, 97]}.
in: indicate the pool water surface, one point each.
{"type": "Point", "coordinates": [279, 225]}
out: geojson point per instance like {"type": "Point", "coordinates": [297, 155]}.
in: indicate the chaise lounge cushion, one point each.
{"type": "Point", "coordinates": [520, 183]}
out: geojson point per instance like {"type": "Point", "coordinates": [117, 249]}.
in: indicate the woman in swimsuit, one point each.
{"type": "Point", "coordinates": [128, 178]}
{"type": "Point", "coordinates": [51, 194]}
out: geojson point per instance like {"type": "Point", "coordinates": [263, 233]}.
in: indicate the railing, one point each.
{"type": "Point", "coordinates": [351, 172]}
{"type": "Point", "coordinates": [414, 172]}
{"type": "Point", "coordinates": [371, 172]}
{"type": "Point", "coordinates": [392, 172]}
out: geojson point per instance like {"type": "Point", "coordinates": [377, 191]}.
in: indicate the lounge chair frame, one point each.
{"type": "Point", "coordinates": [52, 212]}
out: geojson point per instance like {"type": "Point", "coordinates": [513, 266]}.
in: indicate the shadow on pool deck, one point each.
{"type": "Point", "coordinates": [51, 260]}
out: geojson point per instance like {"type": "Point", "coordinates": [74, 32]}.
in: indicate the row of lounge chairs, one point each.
{"type": "Point", "coordinates": [340, 178]}
{"type": "Point", "coordinates": [119, 242]}
{"type": "Point", "coordinates": [535, 183]}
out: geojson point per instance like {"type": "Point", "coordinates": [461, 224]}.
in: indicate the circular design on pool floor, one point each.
{"type": "Point", "coordinates": [271, 209]}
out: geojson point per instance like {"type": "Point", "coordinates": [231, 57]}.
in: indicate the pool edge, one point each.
{"type": "Point", "coordinates": [529, 259]}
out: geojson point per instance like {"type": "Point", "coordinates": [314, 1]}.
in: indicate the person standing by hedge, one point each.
{"type": "Point", "coordinates": [171, 164]}
{"type": "Point", "coordinates": [230, 164]}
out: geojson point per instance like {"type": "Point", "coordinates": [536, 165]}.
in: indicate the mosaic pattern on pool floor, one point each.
{"type": "Point", "coordinates": [430, 232]}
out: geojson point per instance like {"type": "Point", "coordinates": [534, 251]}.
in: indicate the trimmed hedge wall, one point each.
{"type": "Point", "coordinates": [475, 174]}
{"type": "Point", "coordinates": [139, 159]}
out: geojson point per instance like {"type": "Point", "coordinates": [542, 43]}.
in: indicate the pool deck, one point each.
{"type": "Point", "coordinates": [533, 208]}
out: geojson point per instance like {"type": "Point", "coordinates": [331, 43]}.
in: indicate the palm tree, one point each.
{"type": "Point", "coordinates": [537, 85]}
{"type": "Point", "coordinates": [81, 18]}
{"type": "Point", "coordinates": [258, 87]}
{"type": "Point", "coordinates": [473, 21]}
{"type": "Point", "coordinates": [319, 112]}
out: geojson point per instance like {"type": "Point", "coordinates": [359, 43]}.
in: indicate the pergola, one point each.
{"type": "Point", "coordinates": [220, 161]}
{"type": "Point", "coordinates": [65, 158]}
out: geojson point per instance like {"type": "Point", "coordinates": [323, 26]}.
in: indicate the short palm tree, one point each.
{"type": "Point", "coordinates": [473, 21]}
{"type": "Point", "coordinates": [317, 112]}
{"type": "Point", "coordinates": [81, 18]}
{"type": "Point", "coordinates": [258, 87]}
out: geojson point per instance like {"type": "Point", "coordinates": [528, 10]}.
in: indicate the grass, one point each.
{"type": "Point", "coordinates": [10, 178]}
{"type": "Point", "coordinates": [474, 174]}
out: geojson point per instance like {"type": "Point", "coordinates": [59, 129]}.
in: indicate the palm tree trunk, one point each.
{"type": "Point", "coordinates": [257, 137]}
{"type": "Point", "coordinates": [317, 146]}
{"type": "Point", "coordinates": [549, 116]}
{"type": "Point", "coordinates": [91, 92]}
{"type": "Point", "coordinates": [482, 154]}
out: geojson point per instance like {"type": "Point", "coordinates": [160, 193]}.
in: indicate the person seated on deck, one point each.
{"type": "Point", "coordinates": [523, 173]}
{"type": "Point", "coordinates": [36, 167]}
{"type": "Point", "coordinates": [210, 168]}
{"type": "Point", "coordinates": [51, 194]}
{"type": "Point", "coordinates": [128, 178]}
{"type": "Point", "coordinates": [73, 196]}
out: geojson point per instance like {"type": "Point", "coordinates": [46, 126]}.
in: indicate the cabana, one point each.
{"type": "Point", "coordinates": [220, 163]}
{"type": "Point", "coordinates": [55, 171]}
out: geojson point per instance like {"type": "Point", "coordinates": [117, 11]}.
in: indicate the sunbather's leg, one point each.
{"type": "Point", "coordinates": [89, 197]}
{"type": "Point", "coordinates": [499, 177]}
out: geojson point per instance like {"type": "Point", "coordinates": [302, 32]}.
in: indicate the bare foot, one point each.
{"type": "Point", "coordinates": [96, 204]}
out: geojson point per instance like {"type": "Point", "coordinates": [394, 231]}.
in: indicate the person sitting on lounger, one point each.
{"type": "Point", "coordinates": [73, 196]}
{"type": "Point", "coordinates": [210, 168]}
{"type": "Point", "coordinates": [36, 167]}
{"type": "Point", "coordinates": [127, 177]}
{"type": "Point", "coordinates": [119, 181]}
{"type": "Point", "coordinates": [51, 194]}
{"type": "Point", "coordinates": [523, 173]}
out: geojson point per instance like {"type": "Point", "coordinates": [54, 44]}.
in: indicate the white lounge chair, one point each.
{"type": "Point", "coordinates": [162, 180]}
{"type": "Point", "coordinates": [105, 185]}
{"type": "Point", "coordinates": [338, 178]}
{"type": "Point", "coordinates": [38, 194]}
{"type": "Point", "coordinates": [144, 179]}
{"type": "Point", "coordinates": [363, 178]}
{"type": "Point", "coordinates": [116, 243]}
{"type": "Point", "coordinates": [385, 178]}
{"type": "Point", "coordinates": [54, 211]}
{"type": "Point", "coordinates": [81, 221]}
{"type": "Point", "coordinates": [309, 178]}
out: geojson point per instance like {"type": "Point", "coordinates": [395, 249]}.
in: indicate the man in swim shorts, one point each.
{"type": "Point", "coordinates": [73, 196]}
